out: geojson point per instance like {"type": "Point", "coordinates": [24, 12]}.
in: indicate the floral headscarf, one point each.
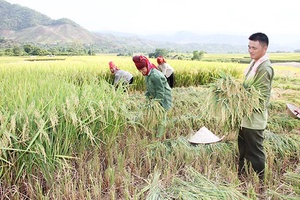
{"type": "Point", "coordinates": [141, 61]}
{"type": "Point", "coordinates": [113, 67]}
{"type": "Point", "coordinates": [160, 60]}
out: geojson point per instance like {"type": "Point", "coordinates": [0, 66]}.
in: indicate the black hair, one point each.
{"type": "Point", "coordinates": [261, 37]}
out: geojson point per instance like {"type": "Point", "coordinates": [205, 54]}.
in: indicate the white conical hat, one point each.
{"type": "Point", "coordinates": [293, 111]}
{"type": "Point", "coordinates": [204, 136]}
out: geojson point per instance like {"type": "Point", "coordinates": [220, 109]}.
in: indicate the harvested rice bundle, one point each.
{"type": "Point", "coordinates": [228, 101]}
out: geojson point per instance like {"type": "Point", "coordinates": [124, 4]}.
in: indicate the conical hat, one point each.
{"type": "Point", "coordinates": [204, 136]}
{"type": "Point", "coordinates": [293, 111]}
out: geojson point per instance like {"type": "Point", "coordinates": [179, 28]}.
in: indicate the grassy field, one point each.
{"type": "Point", "coordinates": [67, 133]}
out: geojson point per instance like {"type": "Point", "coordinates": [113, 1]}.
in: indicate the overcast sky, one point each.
{"type": "Point", "coordinates": [168, 16]}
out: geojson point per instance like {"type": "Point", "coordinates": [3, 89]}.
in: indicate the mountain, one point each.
{"type": "Point", "coordinates": [15, 17]}
{"type": "Point", "coordinates": [184, 37]}
{"type": "Point", "coordinates": [52, 34]}
{"type": "Point", "coordinates": [22, 25]}
{"type": "Point", "coordinates": [237, 42]}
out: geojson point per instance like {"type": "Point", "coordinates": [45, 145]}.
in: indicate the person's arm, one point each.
{"type": "Point", "coordinates": [264, 78]}
{"type": "Point", "coordinates": [263, 81]}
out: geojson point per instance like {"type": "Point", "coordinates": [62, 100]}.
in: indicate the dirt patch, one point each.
{"type": "Point", "coordinates": [290, 64]}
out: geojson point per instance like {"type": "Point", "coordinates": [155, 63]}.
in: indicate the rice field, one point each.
{"type": "Point", "coordinates": [67, 133]}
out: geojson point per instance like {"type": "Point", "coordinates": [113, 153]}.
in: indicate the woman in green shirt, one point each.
{"type": "Point", "coordinates": [157, 86]}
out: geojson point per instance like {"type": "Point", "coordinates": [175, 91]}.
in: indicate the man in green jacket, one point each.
{"type": "Point", "coordinates": [250, 138]}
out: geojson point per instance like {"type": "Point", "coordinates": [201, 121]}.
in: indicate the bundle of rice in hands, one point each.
{"type": "Point", "coordinates": [228, 101]}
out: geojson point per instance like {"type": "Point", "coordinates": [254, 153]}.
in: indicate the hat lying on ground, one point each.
{"type": "Point", "coordinates": [204, 136]}
{"type": "Point", "coordinates": [293, 111]}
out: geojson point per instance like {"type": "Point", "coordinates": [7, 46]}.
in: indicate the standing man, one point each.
{"type": "Point", "coordinates": [250, 139]}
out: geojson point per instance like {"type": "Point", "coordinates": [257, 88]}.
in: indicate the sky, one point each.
{"type": "Point", "coordinates": [169, 16]}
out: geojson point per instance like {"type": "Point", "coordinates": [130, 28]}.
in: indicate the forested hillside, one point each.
{"type": "Point", "coordinates": [15, 17]}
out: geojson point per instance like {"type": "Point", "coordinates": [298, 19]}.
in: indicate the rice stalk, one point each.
{"type": "Point", "coordinates": [153, 188]}
{"type": "Point", "coordinates": [194, 185]}
{"type": "Point", "coordinates": [293, 178]}
{"type": "Point", "coordinates": [228, 101]}
{"type": "Point", "coordinates": [289, 188]}
{"type": "Point", "coordinates": [284, 146]}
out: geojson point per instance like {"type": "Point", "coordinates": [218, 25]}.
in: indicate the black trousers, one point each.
{"type": "Point", "coordinates": [250, 145]}
{"type": "Point", "coordinates": [131, 81]}
{"type": "Point", "coordinates": [170, 80]}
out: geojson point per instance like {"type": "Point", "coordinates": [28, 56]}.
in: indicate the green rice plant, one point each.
{"type": "Point", "coordinates": [45, 122]}
{"type": "Point", "coordinates": [205, 74]}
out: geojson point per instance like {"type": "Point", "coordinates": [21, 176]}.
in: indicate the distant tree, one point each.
{"type": "Point", "coordinates": [197, 55]}
{"type": "Point", "coordinates": [8, 52]}
{"type": "Point", "coordinates": [54, 51]}
{"type": "Point", "coordinates": [91, 52]}
{"type": "Point", "coordinates": [37, 51]}
{"type": "Point", "coordinates": [28, 48]}
{"type": "Point", "coordinates": [159, 52]}
{"type": "Point", "coordinates": [17, 51]}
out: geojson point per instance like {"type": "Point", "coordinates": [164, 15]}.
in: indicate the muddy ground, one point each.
{"type": "Point", "coordinates": [292, 64]}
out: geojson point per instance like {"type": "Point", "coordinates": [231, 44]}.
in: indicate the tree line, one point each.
{"type": "Point", "coordinates": [33, 50]}
{"type": "Point", "coordinates": [79, 50]}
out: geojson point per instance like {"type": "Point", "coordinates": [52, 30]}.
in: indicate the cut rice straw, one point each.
{"type": "Point", "coordinates": [228, 101]}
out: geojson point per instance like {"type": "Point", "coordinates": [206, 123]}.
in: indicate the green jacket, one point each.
{"type": "Point", "coordinates": [158, 88]}
{"type": "Point", "coordinates": [264, 77]}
